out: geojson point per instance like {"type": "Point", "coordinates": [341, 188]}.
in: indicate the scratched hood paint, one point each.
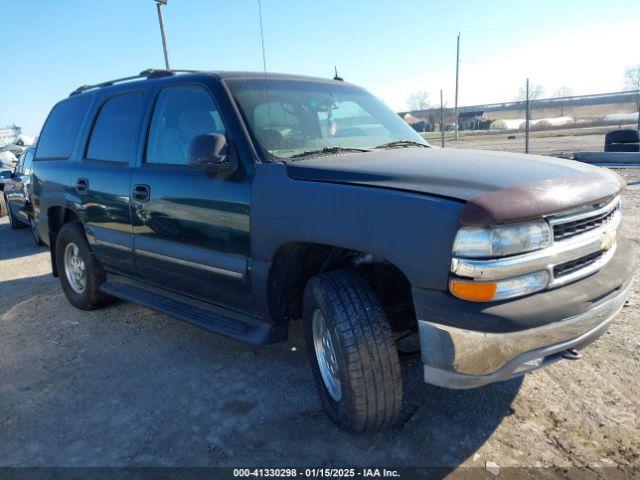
{"type": "Point", "coordinates": [449, 172]}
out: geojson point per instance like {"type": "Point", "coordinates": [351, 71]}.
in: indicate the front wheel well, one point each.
{"type": "Point", "coordinates": [296, 263]}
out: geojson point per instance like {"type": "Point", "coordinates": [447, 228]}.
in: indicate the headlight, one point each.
{"type": "Point", "coordinates": [501, 240]}
{"type": "Point", "coordinates": [500, 289]}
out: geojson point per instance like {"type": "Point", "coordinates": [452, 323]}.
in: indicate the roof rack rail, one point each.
{"type": "Point", "coordinates": [148, 73]}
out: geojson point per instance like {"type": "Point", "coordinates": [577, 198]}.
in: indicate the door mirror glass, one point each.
{"type": "Point", "coordinates": [210, 151]}
{"type": "Point", "coordinates": [6, 174]}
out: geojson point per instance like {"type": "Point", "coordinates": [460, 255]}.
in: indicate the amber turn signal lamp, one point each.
{"type": "Point", "coordinates": [473, 291]}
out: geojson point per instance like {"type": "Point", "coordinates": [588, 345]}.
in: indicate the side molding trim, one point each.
{"type": "Point", "coordinates": [187, 263]}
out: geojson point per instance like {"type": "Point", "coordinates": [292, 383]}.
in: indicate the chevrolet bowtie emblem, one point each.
{"type": "Point", "coordinates": [608, 238]}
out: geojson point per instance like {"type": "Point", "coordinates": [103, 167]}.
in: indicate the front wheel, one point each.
{"type": "Point", "coordinates": [80, 272]}
{"type": "Point", "coordinates": [352, 352]}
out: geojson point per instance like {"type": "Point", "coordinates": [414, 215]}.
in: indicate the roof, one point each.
{"type": "Point", "coordinates": [151, 74]}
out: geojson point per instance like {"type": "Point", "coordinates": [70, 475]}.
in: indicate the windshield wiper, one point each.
{"type": "Point", "coordinates": [402, 143]}
{"type": "Point", "coordinates": [328, 150]}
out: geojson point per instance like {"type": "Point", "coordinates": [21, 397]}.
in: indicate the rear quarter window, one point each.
{"type": "Point", "coordinates": [61, 129]}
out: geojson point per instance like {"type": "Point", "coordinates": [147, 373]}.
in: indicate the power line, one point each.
{"type": "Point", "coordinates": [400, 51]}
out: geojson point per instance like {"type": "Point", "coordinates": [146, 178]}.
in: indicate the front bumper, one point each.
{"type": "Point", "coordinates": [457, 354]}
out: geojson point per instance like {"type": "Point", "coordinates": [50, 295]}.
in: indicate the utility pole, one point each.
{"type": "Point", "coordinates": [527, 116]}
{"type": "Point", "coordinates": [457, 71]}
{"type": "Point", "coordinates": [159, 4]}
{"type": "Point", "coordinates": [442, 118]}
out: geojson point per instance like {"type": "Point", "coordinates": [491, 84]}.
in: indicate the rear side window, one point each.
{"type": "Point", "coordinates": [61, 130]}
{"type": "Point", "coordinates": [114, 136]}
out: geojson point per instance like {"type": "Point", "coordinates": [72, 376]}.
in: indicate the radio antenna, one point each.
{"type": "Point", "coordinates": [264, 68]}
{"type": "Point", "coordinates": [264, 54]}
{"type": "Point", "coordinates": [336, 77]}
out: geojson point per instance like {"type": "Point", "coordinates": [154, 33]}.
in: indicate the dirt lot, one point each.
{"type": "Point", "coordinates": [125, 386]}
{"type": "Point", "coordinates": [560, 143]}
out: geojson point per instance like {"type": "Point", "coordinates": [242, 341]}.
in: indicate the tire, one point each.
{"type": "Point", "coordinates": [34, 232]}
{"type": "Point", "coordinates": [89, 297]}
{"type": "Point", "coordinates": [622, 136]}
{"type": "Point", "coordinates": [3, 207]}
{"type": "Point", "coordinates": [365, 355]}
{"type": "Point", "coordinates": [13, 221]}
{"type": "Point", "coordinates": [622, 147]}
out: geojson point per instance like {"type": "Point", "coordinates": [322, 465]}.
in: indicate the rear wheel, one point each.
{"type": "Point", "coordinates": [80, 272]}
{"type": "Point", "coordinates": [352, 352]}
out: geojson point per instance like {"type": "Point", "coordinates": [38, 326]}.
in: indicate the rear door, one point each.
{"type": "Point", "coordinates": [191, 226]}
{"type": "Point", "coordinates": [102, 180]}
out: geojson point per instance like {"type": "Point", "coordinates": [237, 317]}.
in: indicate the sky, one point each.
{"type": "Point", "coordinates": [392, 48]}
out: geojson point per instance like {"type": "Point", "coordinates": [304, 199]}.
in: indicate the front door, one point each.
{"type": "Point", "coordinates": [191, 227]}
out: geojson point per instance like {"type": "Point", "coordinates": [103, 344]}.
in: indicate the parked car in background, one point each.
{"type": "Point", "coordinates": [6, 175]}
{"type": "Point", "coordinates": [622, 140]}
{"type": "Point", "coordinates": [243, 203]}
{"type": "Point", "coordinates": [16, 192]}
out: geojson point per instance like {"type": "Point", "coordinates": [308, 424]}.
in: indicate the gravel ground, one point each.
{"type": "Point", "coordinates": [560, 143]}
{"type": "Point", "coordinates": [125, 386]}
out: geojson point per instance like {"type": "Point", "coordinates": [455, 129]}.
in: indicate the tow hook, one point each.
{"type": "Point", "coordinates": [572, 354]}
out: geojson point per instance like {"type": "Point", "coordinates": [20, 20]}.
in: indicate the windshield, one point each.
{"type": "Point", "coordinates": [294, 118]}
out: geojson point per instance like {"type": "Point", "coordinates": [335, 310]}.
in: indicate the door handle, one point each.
{"type": "Point", "coordinates": [82, 185]}
{"type": "Point", "coordinates": [141, 193]}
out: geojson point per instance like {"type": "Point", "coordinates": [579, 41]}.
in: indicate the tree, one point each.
{"type": "Point", "coordinates": [418, 101]}
{"type": "Point", "coordinates": [560, 92]}
{"type": "Point", "coordinates": [632, 80]}
{"type": "Point", "coordinates": [563, 91]}
{"type": "Point", "coordinates": [535, 92]}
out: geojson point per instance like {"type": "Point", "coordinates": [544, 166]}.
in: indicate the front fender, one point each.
{"type": "Point", "coordinates": [413, 231]}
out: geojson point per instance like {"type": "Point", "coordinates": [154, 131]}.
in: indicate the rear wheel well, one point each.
{"type": "Point", "coordinates": [56, 218]}
{"type": "Point", "coordinates": [296, 263]}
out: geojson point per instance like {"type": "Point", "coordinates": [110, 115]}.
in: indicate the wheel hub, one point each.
{"type": "Point", "coordinates": [74, 268]}
{"type": "Point", "coordinates": [326, 355]}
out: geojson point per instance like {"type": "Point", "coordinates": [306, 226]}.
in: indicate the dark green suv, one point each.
{"type": "Point", "coordinates": [242, 202]}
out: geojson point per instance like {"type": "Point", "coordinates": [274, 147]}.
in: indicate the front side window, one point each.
{"type": "Point", "coordinates": [289, 118]}
{"type": "Point", "coordinates": [181, 114]}
{"type": "Point", "coordinates": [114, 136]}
{"type": "Point", "coordinates": [61, 130]}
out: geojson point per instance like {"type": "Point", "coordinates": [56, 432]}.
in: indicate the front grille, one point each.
{"type": "Point", "coordinates": [576, 227]}
{"type": "Point", "coordinates": [577, 264]}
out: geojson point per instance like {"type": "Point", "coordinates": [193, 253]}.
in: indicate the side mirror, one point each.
{"type": "Point", "coordinates": [211, 151]}
{"type": "Point", "coordinates": [5, 174]}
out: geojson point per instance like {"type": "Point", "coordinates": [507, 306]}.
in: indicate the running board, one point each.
{"type": "Point", "coordinates": [208, 316]}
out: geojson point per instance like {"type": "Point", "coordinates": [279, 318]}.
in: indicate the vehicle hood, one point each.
{"type": "Point", "coordinates": [496, 187]}
{"type": "Point", "coordinates": [454, 173]}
